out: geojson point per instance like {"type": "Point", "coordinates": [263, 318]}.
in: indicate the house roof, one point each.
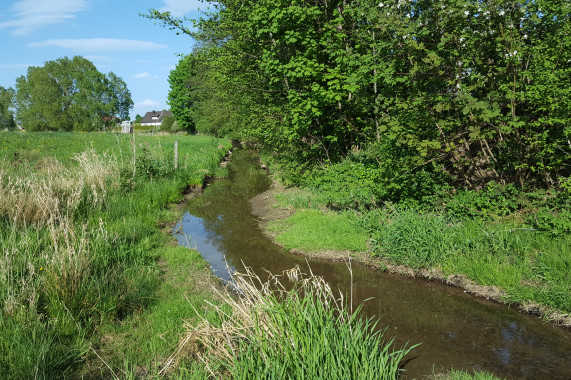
{"type": "Point", "coordinates": [155, 116]}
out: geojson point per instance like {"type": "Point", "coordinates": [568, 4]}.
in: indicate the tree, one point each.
{"type": "Point", "coordinates": [70, 94]}
{"type": "Point", "coordinates": [170, 124]}
{"type": "Point", "coordinates": [6, 114]}
{"type": "Point", "coordinates": [138, 118]}
{"type": "Point", "coordinates": [180, 93]}
{"type": "Point", "coordinates": [464, 91]}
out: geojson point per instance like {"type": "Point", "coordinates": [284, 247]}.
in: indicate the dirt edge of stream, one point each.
{"type": "Point", "coordinates": [266, 209]}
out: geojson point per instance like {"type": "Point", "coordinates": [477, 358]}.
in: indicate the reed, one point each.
{"type": "Point", "coordinates": [294, 330]}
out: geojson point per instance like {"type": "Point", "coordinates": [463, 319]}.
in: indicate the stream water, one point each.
{"type": "Point", "coordinates": [457, 330]}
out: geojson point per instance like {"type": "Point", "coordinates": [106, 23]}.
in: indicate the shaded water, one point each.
{"type": "Point", "coordinates": [457, 330]}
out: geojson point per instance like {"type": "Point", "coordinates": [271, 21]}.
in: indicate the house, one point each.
{"type": "Point", "coordinates": [154, 117]}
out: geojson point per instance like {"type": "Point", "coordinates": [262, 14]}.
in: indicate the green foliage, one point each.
{"type": "Point", "coordinates": [492, 201]}
{"type": "Point", "coordinates": [180, 94]}
{"type": "Point", "coordinates": [70, 94]}
{"type": "Point", "coordinates": [6, 114]}
{"type": "Point", "coordinates": [451, 93]}
{"type": "Point", "coordinates": [170, 124]}
{"type": "Point", "coordinates": [359, 182]}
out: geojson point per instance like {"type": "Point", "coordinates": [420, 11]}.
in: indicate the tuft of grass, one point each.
{"type": "Point", "coordinates": [294, 331]}
{"type": "Point", "coordinates": [527, 264]}
{"type": "Point", "coordinates": [313, 230]}
{"type": "Point", "coordinates": [463, 375]}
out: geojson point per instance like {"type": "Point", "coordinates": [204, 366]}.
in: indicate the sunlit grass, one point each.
{"type": "Point", "coordinates": [312, 230]}
{"type": "Point", "coordinates": [529, 265]}
{"type": "Point", "coordinates": [80, 238]}
{"type": "Point", "coordinates": [295, 330]}
{"type": "Point", "coordinates": [464, 375]}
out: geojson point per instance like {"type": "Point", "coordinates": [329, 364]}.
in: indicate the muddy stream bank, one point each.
{"type": "Point", "coordinates": [456, 329]}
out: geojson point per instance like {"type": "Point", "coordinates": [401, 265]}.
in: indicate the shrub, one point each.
{"type": "Point", "coordinates": [170, 124]}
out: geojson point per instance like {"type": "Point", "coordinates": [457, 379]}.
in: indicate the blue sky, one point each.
{"type": "Point", "coordinates": [111, 34]}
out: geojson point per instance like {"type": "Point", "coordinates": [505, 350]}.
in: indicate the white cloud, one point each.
{"type": "Point", "coordinates": [179, 8]}
{"type": "Point", "coordinates": [30, 15]}
{"type": "Point", "coordinates": [148, 103]}
{"type": "Point", "coordinates": [142, 75]}
{"type": "Point", "coordinates": [99, 44]}
{"type": "Point", "coordinates": [14, 65]}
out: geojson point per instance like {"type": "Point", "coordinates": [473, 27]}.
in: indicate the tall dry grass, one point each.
{"type": "Point", "coordinates": [52, 191]}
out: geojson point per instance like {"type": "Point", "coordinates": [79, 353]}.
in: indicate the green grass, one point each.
{"type": "Point", "coordinates": [143, 343]}
{"type": "Point", "coordinates": [313, 230]}
{"type": "Point", "coordinates": [30, 149]}
{"type": "Point", "coordinates": [528, 264]}
{"type": "Point", "coordinates": [81, 240]}
{"type": "Point", "coordinates": [463, 375]}
{"type": "Point", "coordinates": [279, 331]}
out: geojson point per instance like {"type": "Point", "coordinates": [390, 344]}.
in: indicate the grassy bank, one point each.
{"type": "Point", "coordinates": [91, 286]}
{"type": "Point", "coordinates": [516, 241]}
{"type": "Point", "coordinates": [80, 237]}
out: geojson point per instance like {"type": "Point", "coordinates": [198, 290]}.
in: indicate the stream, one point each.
{"type": "Point", "coordinates": [457, 330]}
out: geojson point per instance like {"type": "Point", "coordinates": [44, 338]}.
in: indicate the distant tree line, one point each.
{"type": "Point", "coordinates": [463, 91]}
{"type": "Point", "coordinates": [65, 94]}
{"type": "Point", "coordinates": [6, 114]}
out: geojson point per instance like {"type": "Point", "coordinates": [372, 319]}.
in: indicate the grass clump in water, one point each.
{"type": "Point", "coordinates": [462, 375]}
{"type": "Point", "coordinates": [270, 331]}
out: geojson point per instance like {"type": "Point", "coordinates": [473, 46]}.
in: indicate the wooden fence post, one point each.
{"type": "Point", "coordinates": [134, 152]}
{"type": "Point", "coordinates": [175, 154]}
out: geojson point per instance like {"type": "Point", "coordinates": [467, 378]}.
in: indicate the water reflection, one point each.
{"type": "Point", "coordinates": [456, 329]}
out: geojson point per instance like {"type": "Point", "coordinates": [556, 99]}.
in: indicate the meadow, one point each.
{"type": "Point", "coordinates": [80, 237]}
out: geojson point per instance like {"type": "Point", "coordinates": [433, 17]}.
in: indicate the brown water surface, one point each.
{"type": "Point", "coordinates": [457, 330]}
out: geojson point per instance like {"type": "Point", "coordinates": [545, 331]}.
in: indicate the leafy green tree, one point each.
{"type": "Point", "coordinates": [138, 118]}
{"type": "Point", "coordinates": [180, 93]}
{"type": "Point", "coordinates": [70, 94]}
{"type": "Point", "coordinates": [6, 114]}
{"type": "Point", "coordinates": [170, 124]}
{"type": "Point", "coordinates": [458, 92]}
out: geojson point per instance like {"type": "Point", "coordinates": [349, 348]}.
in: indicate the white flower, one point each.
{"type": "Point", "coordinates": [525, 36]}
{"type": "Point", "coordinates": [381, 5]}
{"type": "Point", "coordinates": [515, 52]}
{"type": "Point", "coordinates": [466, 13]}
{"type": "Point", "coordinates": [502, 13]}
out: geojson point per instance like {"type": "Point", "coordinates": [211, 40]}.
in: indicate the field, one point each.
{"type": "Point", "coordinates": [91, 287]}
{"type": "Point", "coordinates": [80, 238]}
